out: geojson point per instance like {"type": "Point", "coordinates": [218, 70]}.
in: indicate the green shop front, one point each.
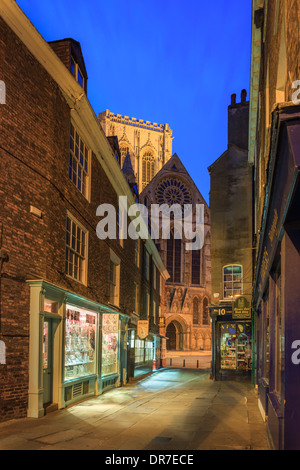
{"type": "Point", "coordinates": [76, 348]}
{"type": "Point", "coordinates": [231, 339]}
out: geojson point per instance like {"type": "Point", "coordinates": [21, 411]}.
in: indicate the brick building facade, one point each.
{"type": "Point", "coordinates": [58, 279]}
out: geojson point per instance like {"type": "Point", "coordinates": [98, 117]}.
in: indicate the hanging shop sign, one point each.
{"type": "Point", "coordinates": [241, 309]}
{"type": "Point", "coordinates": [142, 329]}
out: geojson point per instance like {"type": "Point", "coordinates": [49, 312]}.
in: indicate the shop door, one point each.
{"type": "Point", "coordinates": [47, 360]}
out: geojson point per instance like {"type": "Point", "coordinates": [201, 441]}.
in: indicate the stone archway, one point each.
{"type": "Point", "coordinates": [171, 335]}
{"type": "Point", "coordinates": [177, 334]}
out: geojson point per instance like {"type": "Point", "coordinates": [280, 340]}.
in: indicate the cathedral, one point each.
{"type": "Point", "coordinates": [148, 144]}
{"type": "Point", "coordinates": [146, 153]}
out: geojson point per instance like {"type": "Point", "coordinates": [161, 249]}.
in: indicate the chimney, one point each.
{"type": "Point", "coordinates": [243, 96]}
{"type": "Point", "coordinates": [238, 121]}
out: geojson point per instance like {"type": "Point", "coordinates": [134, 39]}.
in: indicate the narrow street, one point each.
{"type": "Point", "coordinates": [173, 409]}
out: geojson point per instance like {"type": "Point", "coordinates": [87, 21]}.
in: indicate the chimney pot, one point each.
{"type": "Point", "coordinates": [233, 99]}
{"type": "Point", "coordinates": [243, 96]}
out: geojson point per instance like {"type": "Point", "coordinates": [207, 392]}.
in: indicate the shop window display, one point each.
{"type": "Point", "coordinates": [110, 342]}
{"type": "Point", "coordinates": [139, 351]}
{"type": "Point", "coordinates": [80, 357]}
{"type": "Point", "coordinates": [149, 351]}
{"type": "Point", "coordinates": [236, 341]}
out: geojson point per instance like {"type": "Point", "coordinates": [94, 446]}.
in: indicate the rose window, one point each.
{"type": "Point", "coordinates": [172, 191]}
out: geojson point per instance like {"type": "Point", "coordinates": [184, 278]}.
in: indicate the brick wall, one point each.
{"type": "Point", "coordinates": [34, 155]}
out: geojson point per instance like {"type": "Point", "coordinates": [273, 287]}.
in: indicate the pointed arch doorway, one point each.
{"type": "Point", "coordinates": [174, 334]}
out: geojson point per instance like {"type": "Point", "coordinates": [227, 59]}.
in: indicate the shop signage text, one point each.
{"type": "Point", "coordinates": [241, 309]}
{"type": "Point", "coordinates": [222, 311]}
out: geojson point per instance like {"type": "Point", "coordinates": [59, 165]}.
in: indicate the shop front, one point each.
{"type": "Point", "coordinates": [113, 370]}
{"type": "Point", "coordinates": [75, 349]}
{"type": "Point", "coordinates": [276, 297]}
{"type": "Point", "coordinates": [231, 341]}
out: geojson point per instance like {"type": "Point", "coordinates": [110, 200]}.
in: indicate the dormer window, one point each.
{"type": "Point", "coordinates": [76, 72]}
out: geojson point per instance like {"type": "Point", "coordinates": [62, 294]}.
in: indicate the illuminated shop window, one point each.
{"type": "Point", "coordinates": [80, 343]}
{"type": "Point", "coordinates": [110, 344]}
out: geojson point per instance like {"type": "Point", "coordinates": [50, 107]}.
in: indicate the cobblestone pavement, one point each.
{"type": "Point", "coordinates": [173, 409]}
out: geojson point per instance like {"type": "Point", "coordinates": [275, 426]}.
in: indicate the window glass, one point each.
{"type": "Point", "coordinates": [78, 161]}
{"type": "Point", "coordinates": [75, 262]}
{"type": "Point", "coordinates": [174, 259]}
{"type": "Point", "coordinates": [80, 78]}
{"type": "Point", "coordinates": [80, 344]}
{"type": "Point", "coordinates": [112, 282]}
{"type": "Point", "coordinates": [232, 278]}
{"type": "Point", "coordinates": [110, 343]}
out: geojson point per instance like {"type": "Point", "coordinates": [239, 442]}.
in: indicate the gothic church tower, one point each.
{"type": "Point", "coordinates": [148, 144]}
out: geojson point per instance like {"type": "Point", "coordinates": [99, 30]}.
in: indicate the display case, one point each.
{"type": "Point", "coordinates": [110, 343]}
{"type": "Point", "coordinates": [228, 346]}
{"type": "Point", "coordinates": [80, 344]}
{"type": "Point", "coordinates": [235, 346]}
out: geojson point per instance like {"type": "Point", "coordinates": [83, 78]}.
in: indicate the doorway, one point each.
{"type": "Point", "coordinates": [48, 361]}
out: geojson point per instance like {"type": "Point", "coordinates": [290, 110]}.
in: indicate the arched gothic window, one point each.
{"type": "Point", "coordinates": [196, 311]}
{"type": "Point", "coordinates": [205, 317]}
{"type": "Point", "coordinates": [124, 150]}
{"type": "Point", "coordinates": [174, 249]}
{"type": "Point", "coordinates": [196, 266]}
{"type": "Point", "coordinates": [148, 167]}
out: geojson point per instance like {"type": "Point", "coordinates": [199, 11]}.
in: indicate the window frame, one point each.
{"type": "Point", "coordinates": [69, 249]}
{"type": "Point", "coordinates": [174, 253]}
{"type": "Point", "coordinates": [76, 71]}
{"type": "Point", "coordinates": [116, 263]}
{"type": "Point", "coordinates": [232, 281]}
{"type": "Point", "coordinates": [136, 298]}
{"type": "Point", "coordinates": [82, 162]}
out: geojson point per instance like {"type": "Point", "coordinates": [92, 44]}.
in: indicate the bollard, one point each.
{"type": "Point", "coordinates": [183, 362]}
{"type": "Point", "coordinates": [197, 364]}
{"type": "Point", "coordinates": [170, 361]}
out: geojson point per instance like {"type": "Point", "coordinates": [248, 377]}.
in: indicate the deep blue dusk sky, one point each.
{"type": "Point", "coordinates": [162, 61]}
